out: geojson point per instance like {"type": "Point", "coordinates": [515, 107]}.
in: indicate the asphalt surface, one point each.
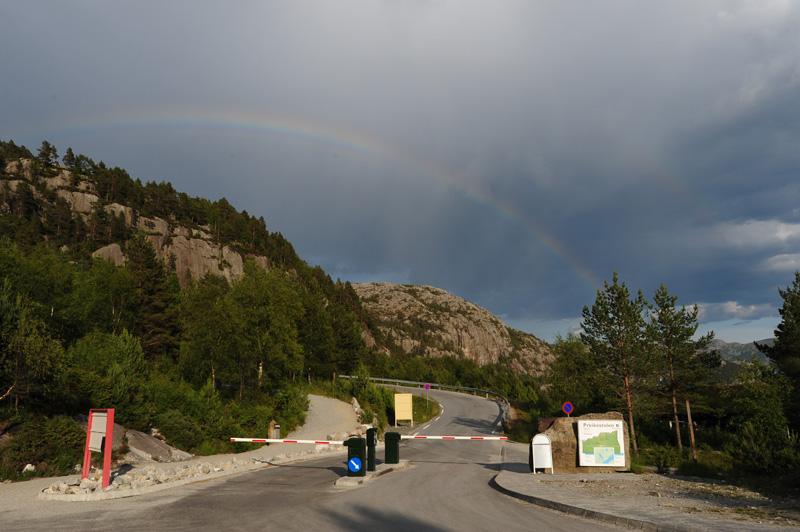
{"type": "Point", "coordinates": [448, 487]}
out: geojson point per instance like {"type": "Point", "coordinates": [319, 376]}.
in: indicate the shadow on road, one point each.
{"type": "Point", "coordinates": [341, 471]}
{"type": "Point", "coordinates": [482, 426]}
{"type": "Point", "coordinates": [371, 520]}
{"type": "Point", "coordinates": [491, 467]}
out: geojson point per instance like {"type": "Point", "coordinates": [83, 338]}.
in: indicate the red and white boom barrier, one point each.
{"type": "Point", "coordinates": [271, 440]}
{"type": "Point", "coordinates": [324, 442]}
{"type": "Point", "coordinates": [453, 438]}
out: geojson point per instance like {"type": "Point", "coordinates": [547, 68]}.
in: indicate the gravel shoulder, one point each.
{"type": "Point", "coordinates": [691, 495]}
{"type": "Point", "coordinates": [697, 503]}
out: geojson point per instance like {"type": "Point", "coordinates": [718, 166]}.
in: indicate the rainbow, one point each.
{"type": "Point", "coordinates": [353, 143]}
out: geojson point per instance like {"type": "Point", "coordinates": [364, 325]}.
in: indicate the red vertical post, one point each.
{"type": "Point", "coordinates": [107, 447]}
{"type": "Point", "coordinates": [108, 439]}
{"type": "Point", "coordinates": [87, 453]}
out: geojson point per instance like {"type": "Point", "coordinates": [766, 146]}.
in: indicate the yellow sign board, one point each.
{"type": "Point", "coordinates": [403, 410]}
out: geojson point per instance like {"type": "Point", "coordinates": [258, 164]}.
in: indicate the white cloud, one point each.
{"type": "Point", "coordinates": [754, 234]}
{"type": "Point", "coordinates": [712, 312]}
{"type": "Point", "coordinates": [787, 262]}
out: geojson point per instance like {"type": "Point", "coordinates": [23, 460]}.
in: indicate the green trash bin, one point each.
{"type": "Point", "coordinates": [372, 442]}
{"type": "Point", "coordinates": [356, 457]}
{"type": "Point", "coordinates": [392, 447]}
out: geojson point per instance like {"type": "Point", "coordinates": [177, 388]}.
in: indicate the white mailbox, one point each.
{"type": "Point", "coordinates": [98, 432]}
{"type": "Point", "coordinates": [541, 453]}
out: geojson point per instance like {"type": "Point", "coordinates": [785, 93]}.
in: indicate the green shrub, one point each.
{"type": "Point", "coordinates": [180, 430]}
{"type": "Point", "coordinates": [52, 445]}
{"type": "Point", "coordinates": [292, 407]}
{"type": "Point", "coordinates": [764, 452]}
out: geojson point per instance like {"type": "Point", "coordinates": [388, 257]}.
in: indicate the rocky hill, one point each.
{"type": "Point", "coordinates": [404, 319]}
{"type": "Point", "coordinates": [429, 321]}
{"type": "Point", "coordinates": [192, 251]}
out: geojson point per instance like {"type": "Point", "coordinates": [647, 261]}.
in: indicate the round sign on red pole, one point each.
{"type": "Point", "coordinates": [567, 408]}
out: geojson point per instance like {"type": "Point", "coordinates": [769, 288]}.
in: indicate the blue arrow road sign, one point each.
{"type": "Point", "coordinates": [354, 465]}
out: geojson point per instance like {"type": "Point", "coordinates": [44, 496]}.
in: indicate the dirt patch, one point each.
{"type": "Point", "coordinates": [690, 495]}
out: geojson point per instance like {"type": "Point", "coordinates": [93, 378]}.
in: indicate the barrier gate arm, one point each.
{"type": "Point", "coordinates": [271, 440]}
{"type": "Point", "coordinates": [453, 437]}
{"type": "Point", "coordinates": [336, 442]}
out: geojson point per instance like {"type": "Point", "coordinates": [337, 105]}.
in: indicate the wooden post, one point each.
{"type": "Point", "coordinates": [691, 431]}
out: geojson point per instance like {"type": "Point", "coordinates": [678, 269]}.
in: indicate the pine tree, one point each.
{"type": "Point", "coordinates": [785, 352]}
{"type": "Point", "coordinates": [614, 330]}
{"type": "Point", "coordinates": [47, 153]}
{"type": "Point", "coordinates": [681, 364]}
{"type": "Point", "coordinates": [157, 320]}
{"type": "Point", "coordinates": [69, 159]}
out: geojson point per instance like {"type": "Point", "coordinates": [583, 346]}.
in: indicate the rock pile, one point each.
{"type": "Point", "coordinates": [136, 480]}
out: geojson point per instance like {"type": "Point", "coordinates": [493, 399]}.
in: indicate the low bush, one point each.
{"type": "Point", "coordinates": [52, 445]}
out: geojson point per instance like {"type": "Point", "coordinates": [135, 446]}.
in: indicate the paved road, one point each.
{"type": "Point", "coordinates": [447, 488]}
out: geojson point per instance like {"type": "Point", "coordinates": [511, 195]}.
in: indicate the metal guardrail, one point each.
{"type": "Point", "coordinates": [433, 385]}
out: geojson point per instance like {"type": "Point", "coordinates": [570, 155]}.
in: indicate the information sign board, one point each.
{"type": "Point", "coordinates": [601, 443]}
{"type": "Point", "coordinates": [403, 409]}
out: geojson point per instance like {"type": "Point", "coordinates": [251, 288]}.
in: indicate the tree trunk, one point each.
{"type": "Point", "coordinates": [630, 415]}
{"type": "Point", "coordinates": [675, 419]}
{"type": "Point", "coordinates": [8, 392]}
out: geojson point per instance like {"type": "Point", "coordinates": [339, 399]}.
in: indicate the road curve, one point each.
{"type": "Point", "coordinates": [447, 488]}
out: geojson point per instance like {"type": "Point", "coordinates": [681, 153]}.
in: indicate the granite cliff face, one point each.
{"type": "Point", "coordinates": [194, 252]}
{"type": "Point", "coordinates": [430, 321]}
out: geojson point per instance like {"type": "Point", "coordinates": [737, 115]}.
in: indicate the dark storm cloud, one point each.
{"type": "Point", "coordinates": [511, 152]}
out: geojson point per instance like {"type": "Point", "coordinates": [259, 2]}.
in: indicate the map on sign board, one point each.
{"type": "Point", "coordinates": [601, 443]}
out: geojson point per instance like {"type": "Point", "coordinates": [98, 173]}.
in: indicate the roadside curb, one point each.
{"type": "Point", "coordinates": [613, 519]}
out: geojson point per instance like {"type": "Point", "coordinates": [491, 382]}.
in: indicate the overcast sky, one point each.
{"type": "Point", "coordinates": [513, 153]}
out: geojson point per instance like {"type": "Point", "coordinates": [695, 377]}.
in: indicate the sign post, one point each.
{"type": "Point", "coordinates": [99, 438]}
{"type": "Point", "coordinates": [427, 389]}
{"type": "Point", "coordinates": [568, 408]}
